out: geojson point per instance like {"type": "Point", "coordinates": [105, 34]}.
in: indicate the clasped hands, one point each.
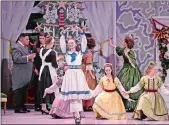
{"type": "Point", "coordinates": [79, 29]}
{"type": "Point", "coordinates": [126, 93]}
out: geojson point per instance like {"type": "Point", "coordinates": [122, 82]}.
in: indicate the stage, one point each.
{"type": "Point", "coordinates": [37, 118]}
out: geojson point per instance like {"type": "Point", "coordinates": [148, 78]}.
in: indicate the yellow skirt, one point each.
{"type": "Point", "coordinates": [110, 106]}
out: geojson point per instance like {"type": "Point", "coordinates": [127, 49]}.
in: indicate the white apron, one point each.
{"type": "Point", "coordinates": [52, 70]}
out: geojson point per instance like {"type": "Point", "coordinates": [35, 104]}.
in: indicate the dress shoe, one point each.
{"type": "Point", "coordinates": [19, 111]}
{"type": "Point", "coordinates": [55, 116]}
{"type": "Point", "coordinates": [26, 110]}
{"type": "Point", "coordinates": [45, 112]}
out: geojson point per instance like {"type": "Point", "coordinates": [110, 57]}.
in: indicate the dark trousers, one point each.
{"type": "Point", "coordinates": [20, 98]}
{"type": "Point", "coordinates": [37, 93]}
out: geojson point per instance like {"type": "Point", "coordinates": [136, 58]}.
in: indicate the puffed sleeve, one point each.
{"type": "Point", "coordinates": [98, 88]}
{"type": "Point", "coordinates": [138, 86]}
{"type": "Point", "coordinates": [121, 88]}
{"type": "Point", "coordinates": [119, 51]}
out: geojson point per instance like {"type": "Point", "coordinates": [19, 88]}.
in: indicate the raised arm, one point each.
{"type": "Point", "coordinates": [84, 40]}
{"type": "Point", "coordinates": [111, 44]}
{"type": "Point", "coordinates": [83, 43]}
{"type": "Point", "coordinates": [63, 44]}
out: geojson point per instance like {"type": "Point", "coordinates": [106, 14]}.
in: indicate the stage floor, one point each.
{"type": "Point", "coordinates": [37, 118]}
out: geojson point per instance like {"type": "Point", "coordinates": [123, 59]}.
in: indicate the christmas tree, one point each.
{"type": "Point", "coordinates": [58, 16]}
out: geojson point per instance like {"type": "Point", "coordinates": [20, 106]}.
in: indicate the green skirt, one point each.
{"type": "Point", "coordinates": [130, 77]}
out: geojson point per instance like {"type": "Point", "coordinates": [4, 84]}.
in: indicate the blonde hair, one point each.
{"type": "Point", "coordinates": [150, 66]}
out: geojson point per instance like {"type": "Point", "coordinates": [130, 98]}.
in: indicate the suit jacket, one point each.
{"type": "Point", "coordinates": [22, 68]}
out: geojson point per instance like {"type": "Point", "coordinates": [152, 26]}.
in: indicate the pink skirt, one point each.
{"type": "Point", "coordinates": [61, 108]}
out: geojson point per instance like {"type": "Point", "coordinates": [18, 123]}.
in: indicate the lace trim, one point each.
{"type": "Point", "coordinates": [61, 110]}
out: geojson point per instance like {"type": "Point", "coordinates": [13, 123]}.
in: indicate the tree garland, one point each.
{"type": "Point", "coordinates": [162, 38]}
{"type": "Point", "coordinates": [162, 43]}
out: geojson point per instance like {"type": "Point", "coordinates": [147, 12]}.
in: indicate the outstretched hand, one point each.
{"type": "Point", "coordinates": [66, 29]}
{"type": "Point", "coordinates": [110, 43]}
{"type": "Point", "coordinates": [80, 30]}
{"type": "Point", "coordinates": [128, 92]}
{"type": "Point", "coordinates": [124, 93]}
{"type": "Point", "coordinates": [166, 85]}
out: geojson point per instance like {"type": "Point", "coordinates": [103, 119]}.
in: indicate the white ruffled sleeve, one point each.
{"type": "Point", "coordinates": [97, 90]}
{"type": "Point", "coordinates": [83, 44]}
{"type": "Point", "coordinates": [135, 88]}
{"type": "Point", "coordinates": [54, 88]}
{"type": "Point", "coordinates": [63, 44]}
{"type": "Point", "coordinates": [51, 89]}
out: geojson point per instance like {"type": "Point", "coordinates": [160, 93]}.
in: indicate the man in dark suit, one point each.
{"type": "Point", "coordinates": [21, 72]}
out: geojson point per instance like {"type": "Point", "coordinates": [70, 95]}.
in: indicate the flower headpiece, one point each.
{"type": "Point", "coordinates": [107, 64]}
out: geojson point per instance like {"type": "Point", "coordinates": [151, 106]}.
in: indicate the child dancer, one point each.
{"type": "Point", "coordinates": [60, 108]}
{"type": "Point", "coordinates": [108, 104]}
{"type": "Point", "coordinates": [74, 85]}
{"type": "Point", "coordinates": [151, 104]}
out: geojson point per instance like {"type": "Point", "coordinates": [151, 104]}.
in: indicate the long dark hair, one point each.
{"type": "Point", "coordinates": [91, 43]}
{"type": "Point", "coordinates": [38, 41]}
{"type": "Point", "coordinates": [110, 65]}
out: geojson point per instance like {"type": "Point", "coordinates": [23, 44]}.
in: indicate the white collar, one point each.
{"type": "Point", "coordinates": [70, 52]}
{"type": "Point", "coordinates": [21, 43]}
{"type": "Point", "coordinates": [151, 77]}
